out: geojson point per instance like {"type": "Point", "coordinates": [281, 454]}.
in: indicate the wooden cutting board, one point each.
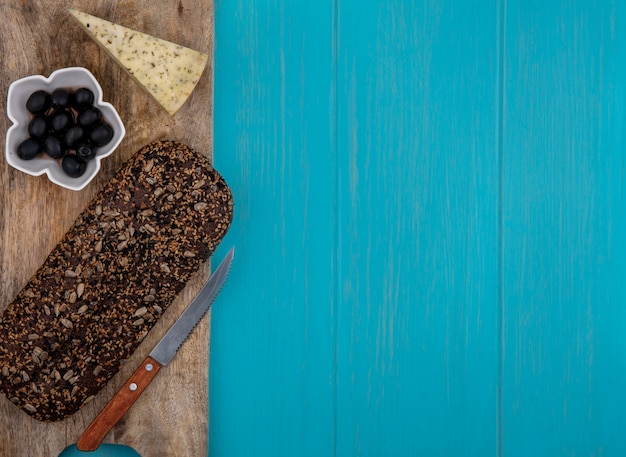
{"type": "Point", "coordinates": [38, 37]}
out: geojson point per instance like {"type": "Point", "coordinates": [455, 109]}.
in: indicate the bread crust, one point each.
{"type": "Point", "coordinates": [110, 278]}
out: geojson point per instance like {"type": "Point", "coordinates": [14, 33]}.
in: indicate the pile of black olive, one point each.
{"type": "Point", "coordinates": [67, 126]}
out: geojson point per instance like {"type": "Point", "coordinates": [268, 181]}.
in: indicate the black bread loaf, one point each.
{"type": "Point", "coordinates": [107, 282]}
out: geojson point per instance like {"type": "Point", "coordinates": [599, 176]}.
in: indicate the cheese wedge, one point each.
{"type": "Point", "coordinates": [167, 71]}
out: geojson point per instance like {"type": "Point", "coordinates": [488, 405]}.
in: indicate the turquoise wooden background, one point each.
{"type": "Point", "coordinates": [430, 228]}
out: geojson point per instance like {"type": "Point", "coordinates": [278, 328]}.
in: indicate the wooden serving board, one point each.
{"type": "Point", "coordinates": [38, 37]}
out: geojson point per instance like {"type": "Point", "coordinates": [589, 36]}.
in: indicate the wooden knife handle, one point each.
{"type": "Point", "coordinates": [119, 404]}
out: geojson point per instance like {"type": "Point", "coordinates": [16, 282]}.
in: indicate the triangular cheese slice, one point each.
{"type": "Point", "coordinates": [167, 71]}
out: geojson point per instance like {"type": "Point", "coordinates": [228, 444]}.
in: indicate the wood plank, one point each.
{"type": "Point", "coordinates": [272, 340]}
{"type": "Point", "coordinates": [564, 225]}
{"type": "Point", "coordinates": [418, 148]}
{"type": "Point", "coordinates": [353, 336]}
{"type": "Point", "coordinates": [418, 215]}
{"type": "Point", "coordinates": [37, 38]}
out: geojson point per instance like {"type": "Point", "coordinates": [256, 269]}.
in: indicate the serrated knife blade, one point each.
{"type": "Point", "coordinates": [165, 349]}
{"type": "Point", "coordinates": [160, 356]}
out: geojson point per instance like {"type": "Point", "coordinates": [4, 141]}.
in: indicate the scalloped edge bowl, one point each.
{"type": "Point", "coordinates": [71, 78]}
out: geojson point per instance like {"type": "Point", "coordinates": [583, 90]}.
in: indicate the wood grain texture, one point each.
{"type": "Point", "coordinates": [121, 402]}
{"type": "Point", "coordinates": [417, 358]}
{"type": "Point", "coordinates": [563, 240]}
{"type": "Point", "coordinates": [366, 165]}
{"type": "Point", "coordinates": [455, 286]}
{"type": "Point", "coordinates": [37, 38]}
{"type": "Point", "coordinates": [273, 378]}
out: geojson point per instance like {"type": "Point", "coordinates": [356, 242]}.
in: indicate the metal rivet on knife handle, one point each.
{"type": "Point", "coordinates": [118, 406]}
{"type": "Point", "coordinates": [161, 354]}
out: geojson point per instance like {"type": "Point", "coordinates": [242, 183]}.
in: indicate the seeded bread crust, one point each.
{"type": "Point", "coordinates": [108, 281]}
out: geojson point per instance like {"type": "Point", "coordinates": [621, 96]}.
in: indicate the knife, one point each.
{"type": "Point", "coordinates": [160, 356]}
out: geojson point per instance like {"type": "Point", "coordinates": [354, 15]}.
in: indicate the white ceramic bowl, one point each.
{"type": "Point", "coordinates": [70, 78]}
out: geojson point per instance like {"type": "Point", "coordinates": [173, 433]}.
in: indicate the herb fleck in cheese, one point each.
{"type": "Point", "coordinates": [167, 71]}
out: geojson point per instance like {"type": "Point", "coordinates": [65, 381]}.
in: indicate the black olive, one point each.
{"type": "Point", "coordinates": [54, 147]}
{"type": "Point", "coordinates": [61, 121]}
{"type": "Point", "coordinates": [60, 98]}
{"type": "Point", "coordinates": [38, 102]}
{"type": "Point", "coordinates": [38, 126]}
{"type": "Point", "coordinates": [100, 134]}
{"type": "Point", "coordinates": [83, 98]}
{"type": "Point", "coordinates": [74, 135]}
{"type": "Point", "coordinates": [28, 149]}
{"type": "Point", "coordinates": [89, 116]}
{"type": "Point", "coordinates": [85, 151]}
{"type": "Point", "coordinates": [73, 166]}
